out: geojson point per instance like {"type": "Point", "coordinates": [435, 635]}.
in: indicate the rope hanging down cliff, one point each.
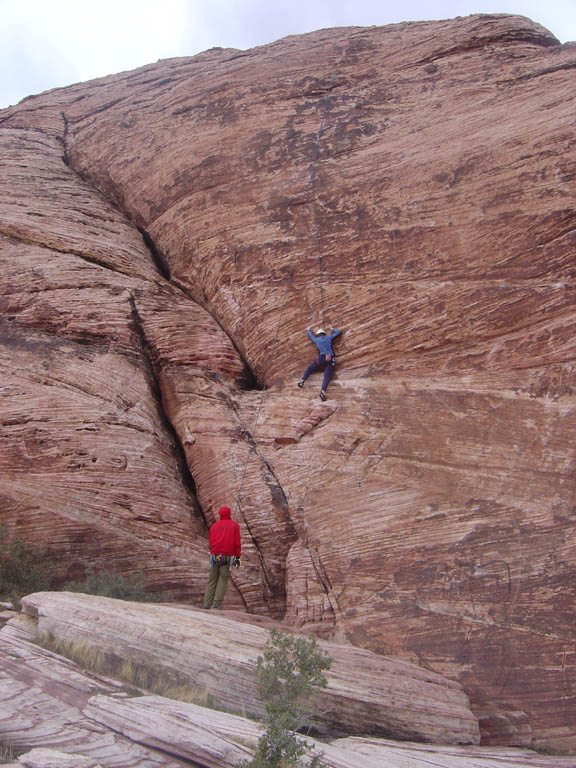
{"type": "Point", "coordinates": [252, 447]}
{"type": "Point", "coordinates": [310, 186]}
{"type": "Point", "coordinates": [311, 190]}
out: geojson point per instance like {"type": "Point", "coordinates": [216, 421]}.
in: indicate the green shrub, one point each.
{"type": "Point", "coordinates": [288, 672]}
{"type": "Point", "coordinates": [23, 569]}
{"type": "Point", "coordinates": [102, 582]}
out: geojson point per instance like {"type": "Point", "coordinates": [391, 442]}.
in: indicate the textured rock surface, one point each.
{"type": "Point", "coordinates": [42, 697]}
{"type": "Point", "coordinates": [214, 739]}
{"type": "Point", "coordinates": [375, 753]}
{"type": "Point", "coordinates": [52, 758]}
{"type": "Point", "coordinates": [93, 722]}
{"type": "Point", "coordinates": [413, 184]}
{"type": "Point", "coordinates": [366, 693]}
{"type": "Point", "coordinates": [219, 740]}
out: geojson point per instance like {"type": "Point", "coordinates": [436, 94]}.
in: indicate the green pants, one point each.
{"type": "Point", "coordinates": [217, 584]}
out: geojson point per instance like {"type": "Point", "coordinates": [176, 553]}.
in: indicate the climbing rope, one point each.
{"type": "Point", "coordinates": [261, 400]}
{"type": "Point", "coordinates": [315, 225]}
{"type": "Point", "coordinates": [311, 186]}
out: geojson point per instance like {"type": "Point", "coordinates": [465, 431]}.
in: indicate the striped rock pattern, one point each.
{"type": "Point", "coordinates": [166, 237]}
{"type": "Point", "coordinates": [42, 697]}
{"type": "Point", "coordinates": [366, 692]}
{"type": "Point", "coordinates": [95, 724]}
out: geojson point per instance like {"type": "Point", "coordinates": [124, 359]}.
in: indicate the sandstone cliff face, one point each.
{"type": "Point", "coordinates": [166, 237]}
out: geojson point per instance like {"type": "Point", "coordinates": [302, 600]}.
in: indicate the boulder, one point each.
{"type": "Point", "coordinates": [366, 693]}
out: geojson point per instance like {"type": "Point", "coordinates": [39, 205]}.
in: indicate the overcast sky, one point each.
{"type": "Point", "coordinates": [50, 43]}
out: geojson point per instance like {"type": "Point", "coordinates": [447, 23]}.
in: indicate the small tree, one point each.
{"type": "Point", "coordinates": [288, 672]}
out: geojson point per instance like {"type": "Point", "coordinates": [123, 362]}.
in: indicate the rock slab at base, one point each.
{"type": "Point", "coordinates": [73, 714]}
{"type": "Point", "coordinates": [51, 758]}
{"type": "Point", "coordinates": [366, 693]}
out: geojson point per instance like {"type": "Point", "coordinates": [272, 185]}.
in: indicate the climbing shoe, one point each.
{"type": "Point", "coordinates": [322, 395]}
{"type": "Point", "coordinates": [300, 384]}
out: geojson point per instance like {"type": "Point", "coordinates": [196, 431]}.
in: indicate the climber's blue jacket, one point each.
{"type": "Point", "coordinates": [324, 343]}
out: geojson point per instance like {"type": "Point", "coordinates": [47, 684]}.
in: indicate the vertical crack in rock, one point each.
{"type": "Point", "coordinates": [274, 587]}
{"type": "Point", "coordinates": [158, 257]}
{"type": "Point", "coordinates": [324, 581]}
{"type": "Point", "coordinates": [249, 381]}
{"type": "Point", "coordinates": [276, 489]}
{"type": "Point", "coordinates": [279, 502]}
{"type": "Point", "coordinates": [64, 141]}
{"type": "Point", "coordinates": [164, 270]}
{"type": "Point", "coordinates": [269, 585]}
{"type": "Point", "coordinates": [322, 578]}
{"type": "Point", "coordinates": [156, 389]}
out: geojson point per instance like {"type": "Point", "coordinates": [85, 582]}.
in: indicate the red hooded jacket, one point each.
{"type": "Point", "coordinates": [225, 535]}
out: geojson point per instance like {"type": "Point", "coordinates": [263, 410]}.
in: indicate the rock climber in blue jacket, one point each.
{"type": "Point", "coordinates": [325, 360]}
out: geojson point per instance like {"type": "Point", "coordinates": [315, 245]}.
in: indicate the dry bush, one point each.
{"type": "Point", "coordinates": [141, 677]}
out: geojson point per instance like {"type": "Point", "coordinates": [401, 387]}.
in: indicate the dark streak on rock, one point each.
{"type": "Point", "coordinates": [148, 356]}
{"type": "Point", "coordinates": [540, 73]}
{"type": "Point", "coordinates": [160, 260]}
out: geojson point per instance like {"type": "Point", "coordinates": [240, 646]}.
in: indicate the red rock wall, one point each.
{"type": "Point", "coordinates": [413, 184]}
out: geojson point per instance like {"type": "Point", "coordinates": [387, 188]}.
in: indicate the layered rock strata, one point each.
{"type": "Point", "coordinates": [53, 758]}
{"type": "Point", "coordinates": [96, 723]}
{"type": "Point", "coordinates": [366, 693]}
{"type": "Point", "coordinates": [167, 235]}
{"type": "Point", "coordinates": [42, 697]}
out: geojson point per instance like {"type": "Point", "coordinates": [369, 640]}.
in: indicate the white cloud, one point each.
{"type": "Point", "coordinates": [49, 44]}
{"type": "Point", "coordinates": [45, 44]}
{"type": "Point", "coordinates": [245, 23]}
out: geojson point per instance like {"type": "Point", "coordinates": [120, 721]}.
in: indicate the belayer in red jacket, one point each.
{"type": "Point", "coordinates": [225, 552]}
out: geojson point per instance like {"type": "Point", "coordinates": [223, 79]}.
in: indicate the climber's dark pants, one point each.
{"type": "Point", "coordinates": [317, 365]}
